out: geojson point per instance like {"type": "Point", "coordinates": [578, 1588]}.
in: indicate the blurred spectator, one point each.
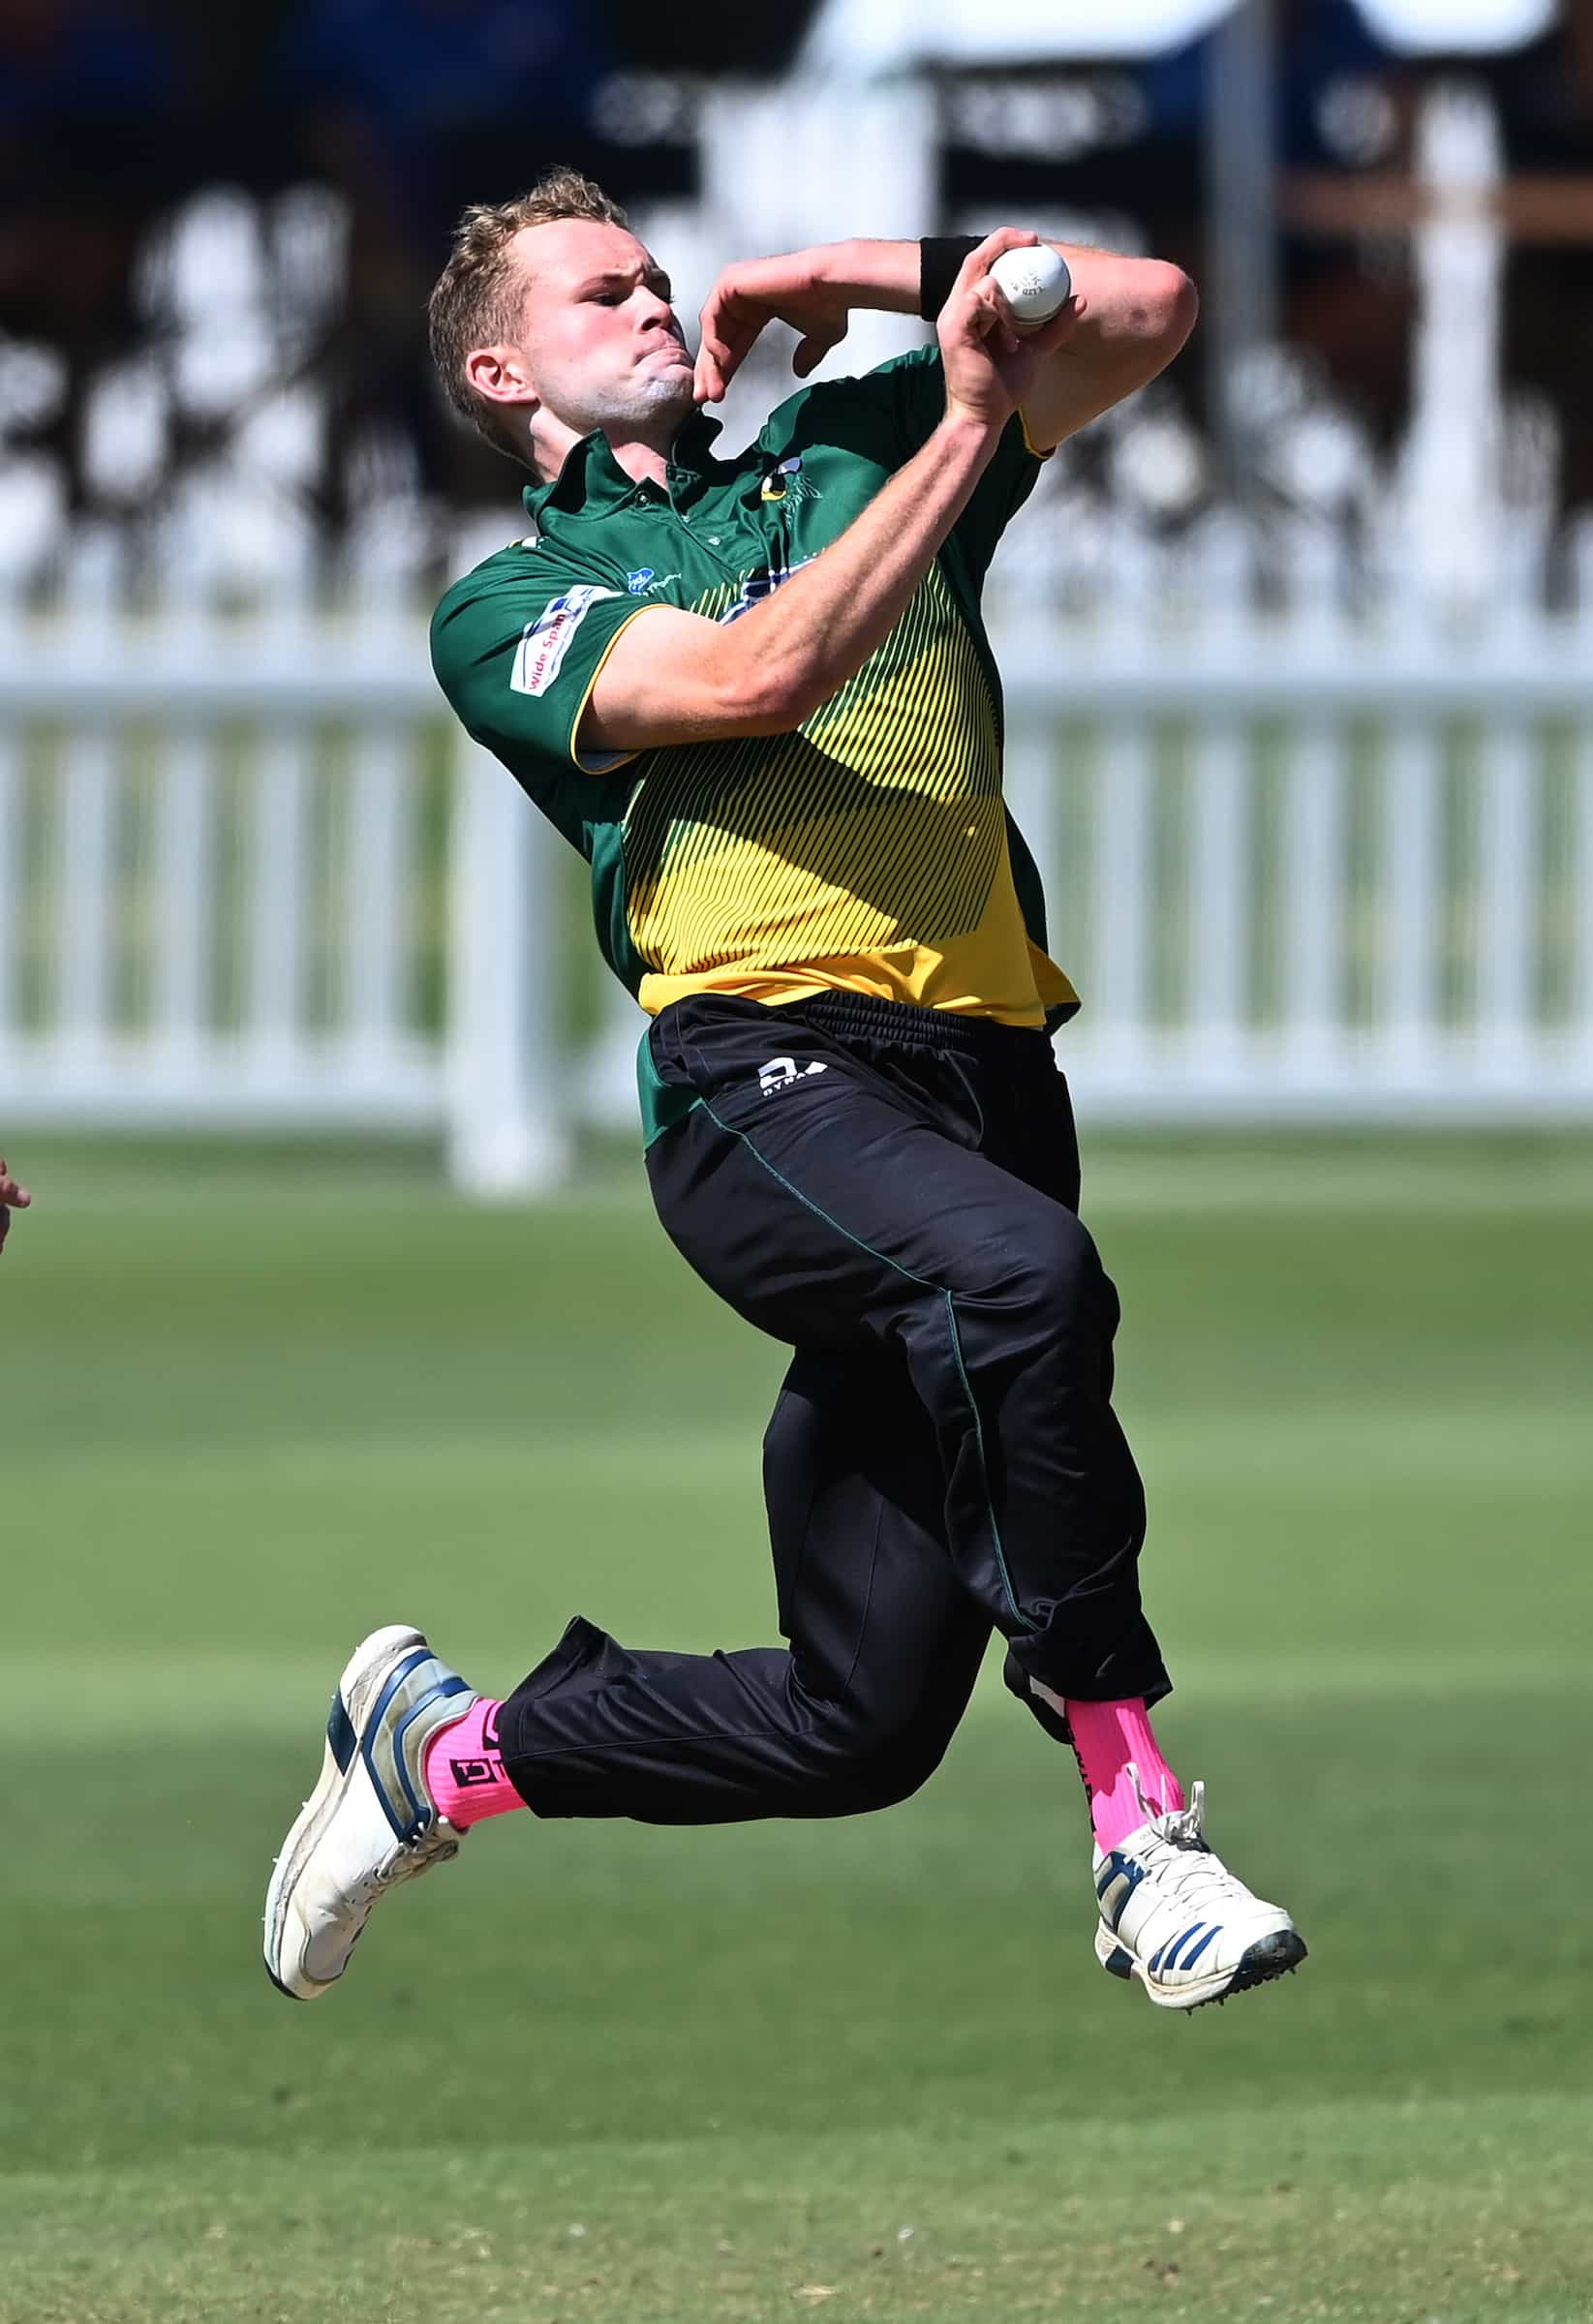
{"type": "Point", "coordinates": [165, 332]}
{"type": "Point", "coordinates": [413, 108]}
{"type": "Point", "coordinates": [1138, 165]}
{"type": "Point", "coordinates": [1545, 95]}
{"type": "Point", "coordinates": [1344, 105]}
{"type": "Point", "coordinates": [93, 144]}
{"type": "Point", "coordinates": [421, 106]}
{"type": "Point", "coordinates": [89, 93]}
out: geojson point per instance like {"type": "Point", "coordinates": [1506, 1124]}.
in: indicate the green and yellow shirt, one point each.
{"type": "Point", "coordinates": [870, 851]}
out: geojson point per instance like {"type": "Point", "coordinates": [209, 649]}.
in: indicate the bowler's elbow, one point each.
{"type": "Point", "coordinates": [768, 695]}
{"type": "Point", "coordinates": [1168, 305]}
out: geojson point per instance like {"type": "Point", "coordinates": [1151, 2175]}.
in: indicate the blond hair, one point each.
{"type": "Point", "coordinates": [476, 299]}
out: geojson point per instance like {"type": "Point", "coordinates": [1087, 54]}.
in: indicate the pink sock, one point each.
{"type": "Point", "coordinates": [465, 1769]}
{"type": "Point", "coordinates": [1115, 1745]}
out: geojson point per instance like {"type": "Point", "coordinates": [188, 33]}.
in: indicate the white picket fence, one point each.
{"type": "Point", "coordinates": [252, 877]}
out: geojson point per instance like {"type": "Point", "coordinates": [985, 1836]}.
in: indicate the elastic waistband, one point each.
{"type": "Point", "coordinates": [898, 1025]}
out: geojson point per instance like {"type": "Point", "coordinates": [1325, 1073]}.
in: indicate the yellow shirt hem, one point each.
{"type": "Point", "coordinates": [923, 978]}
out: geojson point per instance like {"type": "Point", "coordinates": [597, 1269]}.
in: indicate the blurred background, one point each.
{"type": "Point", "coordinates": [1299, 656]}
{"type": "Point", "coordinates": [1295, 640]}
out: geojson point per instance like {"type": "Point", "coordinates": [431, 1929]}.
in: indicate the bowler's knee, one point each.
{"type": "Point", "coordinates": [1059, 1281]}
{"type": "Point", "coordinates": [865, 1769]}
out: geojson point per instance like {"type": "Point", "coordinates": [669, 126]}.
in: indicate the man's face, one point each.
{"type": "Point", "coordinates": [599, 338]}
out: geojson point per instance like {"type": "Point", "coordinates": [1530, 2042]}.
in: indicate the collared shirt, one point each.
{"type": "Point", "coordinates": [870, 849]}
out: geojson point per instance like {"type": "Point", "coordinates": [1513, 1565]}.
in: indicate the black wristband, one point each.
{"type": "Point", "coordinates": [939, 262]}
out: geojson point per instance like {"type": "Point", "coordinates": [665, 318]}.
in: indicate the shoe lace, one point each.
{"type": "Point", "coordinates": [410, 1859]}
{"type": "Point", "coordinates": [1182, 1827]}
{"type": "Point", "coordinates": [1180, 1858]}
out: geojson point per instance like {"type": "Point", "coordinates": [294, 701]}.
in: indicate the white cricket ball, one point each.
{"type": "Point", "coordinates": [1036, 284]}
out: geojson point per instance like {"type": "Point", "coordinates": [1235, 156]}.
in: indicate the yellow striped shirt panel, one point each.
{"type": "Point", "coordinates": [867, 851]}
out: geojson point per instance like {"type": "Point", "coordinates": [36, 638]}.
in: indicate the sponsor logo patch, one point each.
{"type": "Point", "coordinates": [544, 642]}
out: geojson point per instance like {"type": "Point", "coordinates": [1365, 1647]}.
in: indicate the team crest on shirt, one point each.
{"type": "Point", "coordinates": [788, 483]}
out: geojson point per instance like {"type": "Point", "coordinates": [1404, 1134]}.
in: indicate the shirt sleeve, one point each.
{"type": "Point", "coordinates": [889, 414]}
{"type": "Point", "coordinates": [518, 655]}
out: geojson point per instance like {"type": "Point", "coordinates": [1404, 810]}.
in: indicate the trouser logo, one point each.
{"type": "Point", "coordinates": [781, 1072]}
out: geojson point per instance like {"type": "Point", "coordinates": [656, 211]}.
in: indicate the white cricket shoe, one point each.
{"type": "Point", "coordinates": [1175, 1917]}
{"type": "Point", "coordinates": [369, 1822]}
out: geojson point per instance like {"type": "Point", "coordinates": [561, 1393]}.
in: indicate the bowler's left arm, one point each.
{"type": "Point", "coordinates": [1133, 316]}
{"type": "Point", "coordinates": [1137, 315]}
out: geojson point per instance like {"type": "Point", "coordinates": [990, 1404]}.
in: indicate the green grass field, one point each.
{"type": "Point", "coordinates": [251, 1407]}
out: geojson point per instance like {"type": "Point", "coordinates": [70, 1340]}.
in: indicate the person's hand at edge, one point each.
{"type": "Point", "coordinates": [13, 1196]}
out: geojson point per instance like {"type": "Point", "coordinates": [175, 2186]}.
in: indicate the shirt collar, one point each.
{"type": "Point", "coordinates": [592, 483]}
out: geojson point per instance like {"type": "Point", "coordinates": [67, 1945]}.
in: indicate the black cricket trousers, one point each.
{"type": "Point", "coordinates": [894, 1192]}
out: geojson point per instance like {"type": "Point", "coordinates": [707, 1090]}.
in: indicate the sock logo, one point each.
{"type": "Point", "coordinates": [472, 1774]}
